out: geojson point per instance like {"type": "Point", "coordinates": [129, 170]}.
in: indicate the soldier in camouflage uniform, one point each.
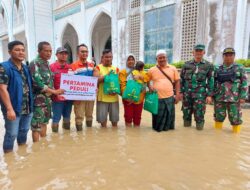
{"type": "Point", "coordinates": [230, 91]}
{"type": "Point", "coordinates": [43, 89]}
{"type": "Point", "coordinates": [197, 82]}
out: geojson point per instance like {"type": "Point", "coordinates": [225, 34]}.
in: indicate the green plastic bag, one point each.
{"type": "Point", "coordinates": [132, 91]}
{"type": "Point", "coordinates": [111, 84]}
{"type": "Point", "coordinates": [151, 102]}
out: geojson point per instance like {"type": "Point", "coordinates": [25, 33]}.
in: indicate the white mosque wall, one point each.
{"type": "Point", "coordinates": [221, 23]}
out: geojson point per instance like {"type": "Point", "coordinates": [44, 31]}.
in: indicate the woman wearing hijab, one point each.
{"type": "Point", "coordinates": [132, 110]}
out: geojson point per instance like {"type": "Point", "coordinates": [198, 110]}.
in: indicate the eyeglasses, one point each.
{"type": "Point", "coordinates": [84, 51]}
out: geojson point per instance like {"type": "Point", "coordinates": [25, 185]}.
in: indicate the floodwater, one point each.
{"type": "Point", "coordinates": [132, 158]}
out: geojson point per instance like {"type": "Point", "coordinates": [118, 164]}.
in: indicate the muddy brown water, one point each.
{"type": "Point", "coordinates": [132, 158]}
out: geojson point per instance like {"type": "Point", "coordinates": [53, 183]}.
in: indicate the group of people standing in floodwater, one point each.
{"type": "Point", "coordinates": [31, 95]}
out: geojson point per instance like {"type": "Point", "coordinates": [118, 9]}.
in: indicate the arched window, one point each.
{"type": "Point", "coordinates": [108, 44]}
{"type": "Point", "coordinates": [70, 41]}
{"type": "Point", "coordinates": [70, 57]}
{"type": "Point", "coordinates": [101, 36]}
{"type": "Point", "coordinates": [17, 4]}
{"type": "Point", "coordinates": [18, 14]}
{"type": "Point", "coordinates": [3, 22]}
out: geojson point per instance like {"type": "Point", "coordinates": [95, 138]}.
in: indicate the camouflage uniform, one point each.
{"type": "Point", "coordinates": [230, 87]}
{"type": "Point", "coordinates": [42, 79]}
{"type": "Point", "coordinates": [197, 82]}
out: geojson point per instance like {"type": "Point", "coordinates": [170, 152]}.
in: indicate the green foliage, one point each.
{"type": "Point", "coordinates": [178, 65]}
{"type": "Point", "coordinates": [148, 65]}
{"type": "Point", "coordinates": [245, 62]}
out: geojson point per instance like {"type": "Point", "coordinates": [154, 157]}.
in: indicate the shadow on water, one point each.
{"type": "Point", "coordinates": [132, 158]}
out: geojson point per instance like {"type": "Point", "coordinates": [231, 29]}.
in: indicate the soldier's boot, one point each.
{"type": "Point", "coordinates": [218, 125]}
{"type": "Point", "coordinates": [236, 128]}
{"type": "Point", "coordinates": [54, 127]}
{"type": "Point", "coordinates": [199, 126]}
{"type": "Point", "coordinates": [66, 125]}
{"type": "Point", "coordinates": [187, 123]}
{"type": "Point", "coordinates": [89, 123]}
{"type": "Point", "coordinates": [79, 127]}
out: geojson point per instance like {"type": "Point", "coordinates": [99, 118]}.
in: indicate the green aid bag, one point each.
{"type": "Point", "coordinates": [151, 102]}
{"type": "Point", "coordinates": [132, 91]}
{"type": "Point", "coordinates": [111, 84]}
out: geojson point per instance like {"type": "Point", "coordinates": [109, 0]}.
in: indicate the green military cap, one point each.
{"type": "Point", "coordinates": [199, 46]}
{"type": "Point", "coordinates": [229, 50]}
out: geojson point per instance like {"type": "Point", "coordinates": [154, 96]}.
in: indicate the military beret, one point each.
{"type": "Point", "coordinates": [229, 50]}
{"type": "Point", "coordinates": [199, 46]}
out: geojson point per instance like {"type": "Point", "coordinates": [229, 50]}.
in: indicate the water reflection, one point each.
{"type": "Point", "coordinates": [55, 184]}
{"type": "Point", "coordinates": [132, 158]}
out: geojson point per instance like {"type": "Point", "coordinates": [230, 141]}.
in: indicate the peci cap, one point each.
{"type": "Point", "coordinates": [199, 47]}
{"type": "Point", "coordinates": [61, 49]}
{"type": "Point", "coordinates": [161, 51]}
{"type": "Point", "coordinates": [229, 50]}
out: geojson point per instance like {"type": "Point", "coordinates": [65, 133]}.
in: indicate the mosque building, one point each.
{"type": "Point", "coordinates": [140, 27]}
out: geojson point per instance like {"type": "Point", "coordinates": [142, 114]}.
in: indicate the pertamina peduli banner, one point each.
{"type": "Point", "coordinates": [78, 87]}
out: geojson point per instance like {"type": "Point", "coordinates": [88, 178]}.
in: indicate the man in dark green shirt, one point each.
{"type": "Point", "coordinates": [197, 82]}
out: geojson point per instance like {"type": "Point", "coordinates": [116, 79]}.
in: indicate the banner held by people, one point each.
{"type": "Point", "coordinates": [78, 87]}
